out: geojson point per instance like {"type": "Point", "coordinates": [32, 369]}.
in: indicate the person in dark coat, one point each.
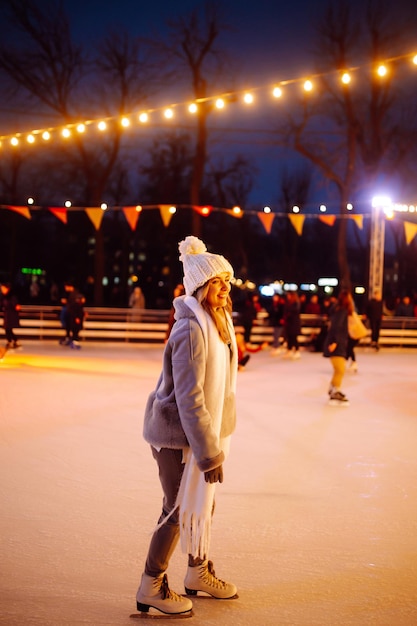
{"type": "Point", "coordinates": [374, 315]}
{"type": "Point", "coordinates": [336, 345]}
{"type": "Point", "coordinates": [292, 324]}
{"type": "Point", "coordinates": [76, 319]}
{"type": "Point", "coordinates": [11, 317]}
{"type": "Point", "coordinates": [249, 314]}
{"type": "Point", "coordinates": [276, 320]}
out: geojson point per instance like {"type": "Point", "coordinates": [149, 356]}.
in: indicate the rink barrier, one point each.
{"type": "Point", "coordinates": [150, 326]}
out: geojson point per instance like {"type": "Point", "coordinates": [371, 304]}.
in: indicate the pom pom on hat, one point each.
{"type": "Point", "coordinates": [200, 265]}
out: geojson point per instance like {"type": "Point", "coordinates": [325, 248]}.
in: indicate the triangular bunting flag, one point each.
{"type": "Point", "coordinates": [95, 215]}
{"type": "Point", "coordinates": [60, 213]}
{"type": "Point", "coordinates": [358, 219]}
{"type": "Point", "coordinates": [328, 219]}
{"type": "Point", "coordinates": [267, 220]}
{"type": "Point", "coordinates": [22, 210]}
{"type": "Point", "coordinates": [203, 210]}
{"type": "Point", "coordinates": [410, 230]}
{"type": "Point", "coordinates": [131, 214]}
{"type": "Point", "coordinates": [166, 213]}
{"type": "Point", "coordinates": [298, 222]}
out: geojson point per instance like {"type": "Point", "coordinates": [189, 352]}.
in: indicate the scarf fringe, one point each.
{"type": "Point", "coordinates": [195, 535]}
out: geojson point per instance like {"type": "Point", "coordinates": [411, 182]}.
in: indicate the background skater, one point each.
{"type": "Point", "coordinates": [336, 344]}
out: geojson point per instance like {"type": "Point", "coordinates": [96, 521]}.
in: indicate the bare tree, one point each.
{"type": "Point", "coordinates": [354, 133]}
{"type": "Point", "coordinates": [56, 75]}
{"type": "Point", "coordinates": [193, 45]}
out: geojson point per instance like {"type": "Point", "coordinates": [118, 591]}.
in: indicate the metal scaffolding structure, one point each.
{"type": "Point", "coordinates": [377, 244]}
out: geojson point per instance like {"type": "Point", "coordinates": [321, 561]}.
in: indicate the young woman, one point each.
{"type": "Point", "coordinates": [336, 345]}
{"type": "Point", "coordinates": [188, 422]}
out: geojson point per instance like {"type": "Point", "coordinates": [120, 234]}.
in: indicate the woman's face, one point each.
{"type": "Point", "coordinates": [218, 290]}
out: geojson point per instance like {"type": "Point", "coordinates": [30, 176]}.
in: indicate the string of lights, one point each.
{"type": "Point", "coordinates": [150, 115]}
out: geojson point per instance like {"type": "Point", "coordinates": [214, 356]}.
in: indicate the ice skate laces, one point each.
{"type": "Point", "coordinates": [166, 592]}
{"type": "Point", "coordinates": [210, 577]}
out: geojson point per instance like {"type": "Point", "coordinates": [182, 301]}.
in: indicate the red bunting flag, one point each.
{"type": "Point", "coordinates": [131, 214]}
{"type": "Point", "coordinates": [60, 213]}
{"type": "Point", "coordinates": [328, 219]}
{"type": "Point", "coordinates": [203, 210]}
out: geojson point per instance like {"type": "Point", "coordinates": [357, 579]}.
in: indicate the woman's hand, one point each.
{"type": "Point", "coordinates": [332, 346]}
{"type": "Point", "coordinates": [215, 475]}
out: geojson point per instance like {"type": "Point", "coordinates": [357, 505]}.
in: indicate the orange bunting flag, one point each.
{"type": "Point", "coordinates": [234, 212]}
{"type": "Point", "coordinates": [267, 220]}
{"type": "Point", "coordinates": [203, 210]}
{"type": "Point", "coordinates": [298, 222]}
{"type": "Point", "coordinates": [358, 219]}
{"type": "Point", "coordinates": [166, 213]}
{"type": "Point", "coordinates": [327, 219]}
{"type": "Point", "coordinates": [131, 214]}
{"type": "Point", "coordinates": [95, 215]}
{"type": "Point", "coordinates": [410, 230]}
{"type": "Point", "coordinates": [22, 210]}
{"type": "Point", "coordinates": [60, 213]}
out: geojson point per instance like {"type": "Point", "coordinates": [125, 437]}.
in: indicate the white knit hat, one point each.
{"type": "Point", "coordinates": [200, 265]}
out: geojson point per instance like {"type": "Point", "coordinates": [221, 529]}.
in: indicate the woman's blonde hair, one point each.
{"type": "Point", "coordinates": [217, 315]}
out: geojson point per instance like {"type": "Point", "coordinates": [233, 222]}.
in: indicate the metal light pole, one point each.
{"type": "Point", "coordinates": [376, 261]}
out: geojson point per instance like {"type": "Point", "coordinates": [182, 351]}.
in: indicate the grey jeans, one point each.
{"type": "Point", "coordinates": [165, 538]}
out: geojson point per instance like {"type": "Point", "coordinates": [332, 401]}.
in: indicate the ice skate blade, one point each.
{"type": "Point", "coordinates": [206, 595]}
{"type": "Point", "coordinates": [160, 615]}
{"type": "Point", "coordinates": [338, 403]}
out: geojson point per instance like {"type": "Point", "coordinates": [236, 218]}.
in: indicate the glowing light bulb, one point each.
{"type": "Point", "coordinates": [172, 210]}
{"type": "Point", "coordinates": [66, 133]}
{"type": "Point", "coordinates": [323, 208]}
{"type": "Point", "coordinates": [46, 135]}
{"type": "Point", "coordinates": [103, 206]}
{"type": "Point", "coordinates": [138, 208]}
{"type": "Point", "coordinates": [143, 118]}
{"type": "Point", "coordinates": [81, 128]}
{"type": "Point", "coordinates": [237, 210]}
{"type": "Point", "coordinates": [267, 209]}
{"type": "Point", "coordinates": [277, 92]}
{"type": "Point", "coordinates": [193, 108]}
{"type": "Point", "coordinates": [102, 125]}
{"type": "Point", "coordinates": [345, 78]}
{"type": "Point", "coordinates": [30, 139]}
{"type": "Point", "coordinates": [296, 209]}
{"type": "Point", "coordinates": [125, 122]}
{"type": "Point", "coordinates": [248, 98]}
{"type": "Point", "coordinates": [382, 71]}
{"type": "Point", "coordinates": [168, 114]}
{"type": "Point", "coordinates": [14, 141]}
{"type": "Point", "coordinates": [219, 103]}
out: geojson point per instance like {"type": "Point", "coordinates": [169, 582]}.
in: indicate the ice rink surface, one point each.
{"type": "Point", "coordinates": [316, 522]}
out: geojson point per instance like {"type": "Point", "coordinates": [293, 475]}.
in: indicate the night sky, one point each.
{"type": "Point", "coordinates": [268, 40]}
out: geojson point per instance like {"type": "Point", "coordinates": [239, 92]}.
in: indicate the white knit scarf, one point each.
{"type": "Point", "coordinates": [195, 497]}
